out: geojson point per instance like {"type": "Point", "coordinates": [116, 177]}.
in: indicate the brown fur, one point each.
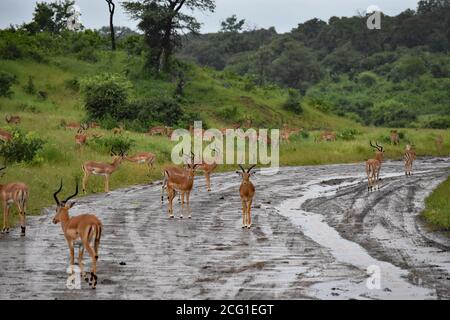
{"type": "Point", "coordinates": [16, 193]}
{"type": "Point", "coordinates": [246, 192]}
{"type": "Point", "coordinates": [100, 168]}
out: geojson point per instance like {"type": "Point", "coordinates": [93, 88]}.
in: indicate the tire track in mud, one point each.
{"type": "Point", "coordinates": [144, 255]}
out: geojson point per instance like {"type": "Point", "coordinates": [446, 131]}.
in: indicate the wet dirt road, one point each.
{"type": "Point", "coordinates": [316, 232]}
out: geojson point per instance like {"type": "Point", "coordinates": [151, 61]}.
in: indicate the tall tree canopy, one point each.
{"type": "Point", "coordinates": [162, 22]}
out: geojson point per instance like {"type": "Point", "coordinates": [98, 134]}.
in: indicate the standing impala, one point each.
{"type": "Point", "coordinates": [144, 157]}
{"type": "Point", "coordinates": [80, 138]}
{"type": "Point", "coordinates": [101, 169]}
{"type": "Point", "coordinates": [85, 227]}
{"type": "Point", "coordinates": [410, 156]}
{"type": "Point", "coordinates": [181, 180]}
{"type": "Point", "coordinates": [14, 193]}
{"type": "Point", "coordinates": [373, 167]}
{"type": "Point", "coordinates": [247, 192]}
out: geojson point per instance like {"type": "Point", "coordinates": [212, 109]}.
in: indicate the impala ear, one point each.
{"type": "Point", "coordinates": [69, 205]}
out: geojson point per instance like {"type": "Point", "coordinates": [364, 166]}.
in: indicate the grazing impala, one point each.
{"type": "Point", "coordinates": [80, 138]}
{"type": "Point", "coordinates": [395, 138]}
{"type": "Point", "coordinates": [5, 136]}
{"type": "Point", "coordinates": [85, 227]}
{"type": "Point", "coordinates": [373, 167]}
{"type": "Point", "coordinates": [157, 131]}
{"type": "Point", "coordinates": [327, 136]}
{"type": "Point", "coordinates": [247, 192]}
{"type": "Point", "coordinates": [13, 119]}
{"type": "Point", "coordinates": [410, 156]}
{"type": "Point", "coordinates": [101, 169]}
{"type": "Point", "coordinates": [181, 180]}
{"type": "Point", "coordinates": [144, 157]}
{"type": "Point", "coordinates": [14, 193]}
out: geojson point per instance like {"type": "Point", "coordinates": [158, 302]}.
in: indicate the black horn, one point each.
{"type": "Point", "coordinates": [242, 168]}
{"type": "Point", "coordinates": [250, 169]}
{"type": "Point", "coordinates": [55, 195]}
{"type": "Point", "coordinates": [75, 194]}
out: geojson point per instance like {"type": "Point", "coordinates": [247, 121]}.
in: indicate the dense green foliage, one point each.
{"type": "Point", "coordinates": [23, 147]}
{"type": "Point", "coordinates": [6, 81]}
{"type": "Point", "coordinates": [437, 211]}
{"type": "Point", "coordinates": [396, 76]}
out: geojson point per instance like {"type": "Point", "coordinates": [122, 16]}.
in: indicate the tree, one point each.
{"type": "Point", "coordinates": [50, 17]}
{"type": "Point", "coordinates": [112, 8]}
{"type": "Point", "coordinates": [162, 22]}
{"type": "Point", "coordinates": [426, 6]}
{"type": "Point", "coordinates": [232, 25]}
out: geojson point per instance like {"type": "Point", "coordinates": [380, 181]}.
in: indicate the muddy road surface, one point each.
{"type": "Point", "coordinates": [317, 234]}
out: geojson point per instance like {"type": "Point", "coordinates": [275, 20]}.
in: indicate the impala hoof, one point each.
{"type": "Point", "coordinates": [190, 217]}
{"type": "Point", "coordinates": [181, 217]}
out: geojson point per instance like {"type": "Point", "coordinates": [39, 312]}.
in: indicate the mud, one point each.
{"type": "Point", "coordinates": [316, 231]}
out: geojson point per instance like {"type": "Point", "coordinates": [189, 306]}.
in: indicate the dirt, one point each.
{"type": "Point", "coordinates": [316, 232]}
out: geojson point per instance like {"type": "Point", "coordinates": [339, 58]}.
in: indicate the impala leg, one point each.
{"type": "Point", "coordinates": [72, 252]}
{"type": "Point", "coordinates": [188, 195]}
{"type": "Point", "coordinates": [93, 278]}
{"type": "Point", "coordinates": [244, 214]}
{"type": "Point", "coordinates": [80, 262]}
{"type": "Point", "coordinates": [5, 216]}
{"type": "Point", "coordinates": [21, 211]}
{"type": "Point", "coordinates": [107, 183]}
{"type": "Point", "coordinates": [249, 213]}
{"type": "Point", "coordinates": [182, 193]}
{"type": "Point", "coordinates": [171, 195]}
{"type": "Point", "coordinates": [208, 180]}
{"type": "Point", "coordinates": [85, 180]}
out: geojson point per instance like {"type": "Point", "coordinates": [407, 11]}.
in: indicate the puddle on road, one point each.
{"type": "Point", "coordinates": [393, 279]}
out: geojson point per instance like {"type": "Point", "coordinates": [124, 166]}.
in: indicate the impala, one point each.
{"type": "Point", "coordinates": [247, 192]}
{"type": "Point", "coordinates": [157, 131]}
{"type": "Point", "coordinates": [80, 138]}
{"type": "Point", "coordinates": [85, 227]}
{"type": "Point", "coordinates": [327, 136]}
{"type": "Point", "coordinates": [14, 193]}
{"type": "Point", "coordinates": [70, 125]}
{"type": "Point", "coordinates": [5, 136]}
{"type": "Point", "coordinates": [101, 169]}
{"type": "Point", "coordinates": [373, 167]}
{"type": "Point", "coordinates": [181, 180]}
{"type": "Point", "coordinates": [395, 138]}
{"type": "Point", "coordinates": [410, 156]}
{"type": "Point", "coordinates": [13, 119]}
{"type": "Point", "coordinates": [207, 169]}
{"type": "Point", "coordinates": [144, 157]}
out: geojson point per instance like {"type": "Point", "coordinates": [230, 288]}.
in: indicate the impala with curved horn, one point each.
{"type": "Point", "coordinates": [101, 169]}
{"type": "Point", "coordinates": [14, 193]}
{"type": "Point", "coordinates": [247, 192]}
{"type": "Point", "coordinates": [85, 227]}
{"type": "Point", "coordinates": [181, 180]}
{"type": "Point", "coordinates": [373, 167]}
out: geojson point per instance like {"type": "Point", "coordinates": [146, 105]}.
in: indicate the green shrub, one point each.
{"type": "Point", "coordinates": [438, 123]}
{"type": "Point", "coordinates": [293, 102]}
{"type": "Point", "coordinates": [6, 81]}
{"type": "Point", "coordinates": [72, 84]}
{"type": "Point", "coordinates": [22, 147]}
{"type": "Point", "coordinates": [115, 144]}
{"type": "Point", "coordinates": [88, 54]}
{"type": "Point", "coordinates": [30, 88]}
{"type": "Point", "coordinates": [348, 134]}
{"type": "Point", "coordinates": [367, 78]}
{"type": "Point", "coordinates": [152, 111]}
{"type": "Point", "coordinates": [105, 95]}
{"type": "Point", "coordinates": [229, 113]}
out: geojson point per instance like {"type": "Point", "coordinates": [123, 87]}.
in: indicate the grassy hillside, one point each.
{"type": "Point", "coordinates": [207, 93]}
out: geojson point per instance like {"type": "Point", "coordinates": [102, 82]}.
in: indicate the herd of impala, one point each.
{"type": "Point", "coordinates": [87, 228]}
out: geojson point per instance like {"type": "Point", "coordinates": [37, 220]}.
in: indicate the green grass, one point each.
{"type": "Point", "coordinates": [437, 211]}
{"type": "Point", "coordinates": [207, 93]}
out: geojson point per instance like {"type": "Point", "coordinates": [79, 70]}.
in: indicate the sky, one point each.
{"type": "Point", "coordinates": [282, 14]}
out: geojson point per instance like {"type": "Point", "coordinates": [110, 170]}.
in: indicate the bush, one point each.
{"type": "Point", "coordinates": [88, 54]}
{"type": "Point", "coordinates": [293, 102]}
{"type": "Point", "coordinates": [22, 147]}
{"type": "Point", "coordinates": [116, 144]}
{"type": "Point", "coordinates": [6, 81]}
{"type": "Point", "coordinates": [394, 114]}
{"type": "Point", "coordinates": [30, 88]}
{"type": "Point", "coordinates": [105, 94]}
{"type": "Point", "coordinates": [229, 113]}
{"type": "Point", "coordinates": [72, 84]}
{"type": "Point", "coordinates": [438, 123]}
{"type": "Point", "coordinates": [348, 134]}
{"type": "Point", "coordinates": [152, 111]}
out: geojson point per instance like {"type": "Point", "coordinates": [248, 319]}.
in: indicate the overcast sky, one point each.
{"type": "Point", "coordinates": [282, 14]}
